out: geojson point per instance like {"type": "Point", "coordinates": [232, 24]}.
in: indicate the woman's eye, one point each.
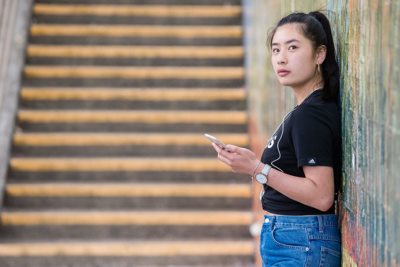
{"type": "Point", "coordinates": [291, 47]}
{"type": "Point", "coordinates": [275, 50]}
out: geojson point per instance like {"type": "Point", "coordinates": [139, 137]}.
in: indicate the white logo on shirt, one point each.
{"type": "Point", "coordinates": [271, 142]}
{"type": "Point", "coordinates": [312, 161]}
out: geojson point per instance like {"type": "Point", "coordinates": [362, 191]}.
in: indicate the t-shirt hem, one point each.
{"type": "Point", "coordinates": [300, 210]}
{"type": "Point", "coordinates": [301, 213]}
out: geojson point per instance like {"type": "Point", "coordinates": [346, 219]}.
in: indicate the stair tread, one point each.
{"type": "Point", "coordinates": [120, 217]}
{"type": "Point", "coordinates": [144, 2]}
{"type": "Point", "coordinates": [128, 248]}
{"type": "Point", "coordinates": [118, 164]}
{"type": "Point", "coordinates": [149, 94]}
{"type": "Point", "coordinates": [140, 30]}
{"type": "Point", "coordinates": [129, 189]}
{"type": "Point", "coordinates": [118, 139]}
{"type": "Point", "coordinates": [136, 51]}
{"type": "Point", "coordinates": [147, 116]}
{"type": "Point", "coordinates": [32, 71]}
{"type": "Point", "coordinates": [139, 10]}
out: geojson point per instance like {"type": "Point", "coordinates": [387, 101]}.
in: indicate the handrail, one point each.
{"type": "Point", "coordinates": [15, 16]}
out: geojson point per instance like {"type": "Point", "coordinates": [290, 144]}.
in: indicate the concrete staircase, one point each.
{"type": "Point", "coordinates": [110, 166]}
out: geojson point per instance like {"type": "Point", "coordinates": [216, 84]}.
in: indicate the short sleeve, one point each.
{"type": "Point", "coordinates": [312, 136]}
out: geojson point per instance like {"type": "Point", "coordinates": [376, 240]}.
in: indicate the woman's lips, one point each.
{"type": "Point", "coordinates": [283, 72]}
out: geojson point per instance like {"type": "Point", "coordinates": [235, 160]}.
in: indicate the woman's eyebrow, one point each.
{"type": "Point", "coordinates": [287, 42]}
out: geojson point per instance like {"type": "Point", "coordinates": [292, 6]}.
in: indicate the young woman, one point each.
{"type": "Point", "coordinates": [300, 167]}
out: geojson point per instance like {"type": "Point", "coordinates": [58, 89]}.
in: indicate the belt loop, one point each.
{"type": "Point", "coordinates": [272, 223]}
{"type": "Point", "coordinates": [320, 224]}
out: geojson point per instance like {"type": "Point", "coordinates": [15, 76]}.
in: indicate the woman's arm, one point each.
{"type": "Point", "coordinates": [315, 190]}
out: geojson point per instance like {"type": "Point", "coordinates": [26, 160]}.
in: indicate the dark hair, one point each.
{"type": "Point", "coordinates": [315, 26]}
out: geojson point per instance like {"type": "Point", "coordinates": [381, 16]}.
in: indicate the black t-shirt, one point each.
{"type": "Point", "coordinates": [311, 136]}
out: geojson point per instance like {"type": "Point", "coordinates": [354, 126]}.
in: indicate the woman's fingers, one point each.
{"type": "Point", "coordinates": [217, 148]}
{"type": "Point", "coordinates": [234, 149]}
{"type": "Point", "coordinates": [222, 154]}
{"type": "Point", "coordinates": [238, 161]}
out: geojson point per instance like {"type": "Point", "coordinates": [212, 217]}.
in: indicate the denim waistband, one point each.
{"type": "Point", "coordinates": [320, 221]}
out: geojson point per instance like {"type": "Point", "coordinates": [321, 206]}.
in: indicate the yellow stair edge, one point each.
{"type": "Point", "coordinates": [138, 10]}
{"type": "Point", "coordinates": [139, 248]}
{"type": "Point", "coordinates": [135, 51]}
{"type": "Point", "coordinates": [156, 94]}
{"type": "Point", "coordinates": [108, 116]}
{"type": "Point", "coordinates": [139, 31]}
{"type": "Point", "coordinates": [134, 72]}
{"type": "Point", "coordinates": [129, 190]}
{"type": "Point", "coordinates": [118, 164]}
{"type": "Point", "coordinates": [86, 217]}
{"type": "Point", "coordinates": [106, 139]}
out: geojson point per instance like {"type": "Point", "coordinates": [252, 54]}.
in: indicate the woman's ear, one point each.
{"type": "Point", "coordinates": [321, 54]}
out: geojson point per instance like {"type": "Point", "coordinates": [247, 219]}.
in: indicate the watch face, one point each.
{"type": "Point", "coordinates": [261, 178]}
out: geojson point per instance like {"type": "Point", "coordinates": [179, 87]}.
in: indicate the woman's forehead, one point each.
{"type": "Point", "coordinates": [286, 33]}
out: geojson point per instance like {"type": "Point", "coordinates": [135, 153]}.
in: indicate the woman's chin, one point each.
{"type": "Point", "coordinates": [290, 83]}
{"type": "Point", "coordinates": [285, 83]}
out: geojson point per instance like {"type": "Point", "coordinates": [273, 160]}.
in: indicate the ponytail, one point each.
{"type": "Point", "coordinates": [316, 27]}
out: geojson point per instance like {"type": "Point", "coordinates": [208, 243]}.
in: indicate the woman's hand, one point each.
{"type": "Point", "coordinates": [241, 160]}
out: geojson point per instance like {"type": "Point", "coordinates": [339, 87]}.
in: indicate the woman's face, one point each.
{"type": "Point", "coordinates": [293, 58]}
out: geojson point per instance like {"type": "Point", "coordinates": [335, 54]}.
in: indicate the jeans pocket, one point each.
{"type": "Point", "coordinates": [330, 258]}
{"type": "Point", "coordinates": [291, 238]}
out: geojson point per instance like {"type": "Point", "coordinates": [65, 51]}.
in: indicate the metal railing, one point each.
{"type": "Point", "coordinates": [14, 26]}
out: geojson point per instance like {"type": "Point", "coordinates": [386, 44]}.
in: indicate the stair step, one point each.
{"type": "Point", "coordinates": [128, 248]}
{"type": "Point", "coordinates": [134, 62]}
{"type": "Point", "coordinates": [148, 94]}
{"type": "Point", "coordinates": [150, 116]}
{"type": "Point", "coordinates": [134, 20]}
{"type": "Point", "coordinates": [127, 83]}
{"type": "Point", "coordinates": [129, 10]}
{"type": "Point", "coordinates": [134, 40]}
{"type": "Point", "coordinates": [126, 217]}
{"type": "Point", "coordinates": [128, 261]}
{"type": "Point", "coordinates": [142, 31]}
{"type": "Point", "coordinates": [101, 139]}
{"type": "Point", "coordinates": [118, 164]}
{"type": "Point", "coordinates": [114, 104]}
{"type": "Point", "coordinates": [119, 144]}
{"type": "Point", "coordinates": [134, 72]}
{"type": "Point", "coordinates": [59, 58]}
{"type": "Point", "coordinates": [92, 151]}
{"type": "Point", "coordinates": [132, 98]}
{"type": "Point", "coordinates": [91, 176]}
{"type": "Point", "coordinates": [127, 203]}
{"type": "Point", "coordinates": [139, 127]}
{"type": "Point", "coordinates": [136, 51]}
{"type": "Point", "coordinates": [129, 190]}
{"type": "Point", "coordinates": [144, 2]}
{"type": "Point", "coordinates": [156, 232]}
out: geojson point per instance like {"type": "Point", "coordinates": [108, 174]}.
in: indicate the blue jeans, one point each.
{"type": "Point", "coordinates": [307, 241]}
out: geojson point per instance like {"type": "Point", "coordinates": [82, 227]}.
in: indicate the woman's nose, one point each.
{"type": "Point", "coordinates": [281, 59]}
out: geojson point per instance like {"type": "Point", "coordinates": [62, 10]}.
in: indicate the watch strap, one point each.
{"type": "Point", "coordinates": [266, 169]}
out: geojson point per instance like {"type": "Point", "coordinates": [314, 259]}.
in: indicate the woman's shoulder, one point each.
{"type": "Point", "coordinates": [318, 109]}
{"type": "Point", "coordinates": [314, 114]}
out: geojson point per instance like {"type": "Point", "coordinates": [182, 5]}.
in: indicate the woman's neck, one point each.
{"type": "Point", "coordinates": [303, 91]}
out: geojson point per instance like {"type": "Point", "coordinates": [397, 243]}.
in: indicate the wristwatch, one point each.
{"type": "Point", "coordinates": [262, 176]}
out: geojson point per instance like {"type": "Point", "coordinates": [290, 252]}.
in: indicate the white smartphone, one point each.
{"type": "Point", "coordinates": [217, 142]}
